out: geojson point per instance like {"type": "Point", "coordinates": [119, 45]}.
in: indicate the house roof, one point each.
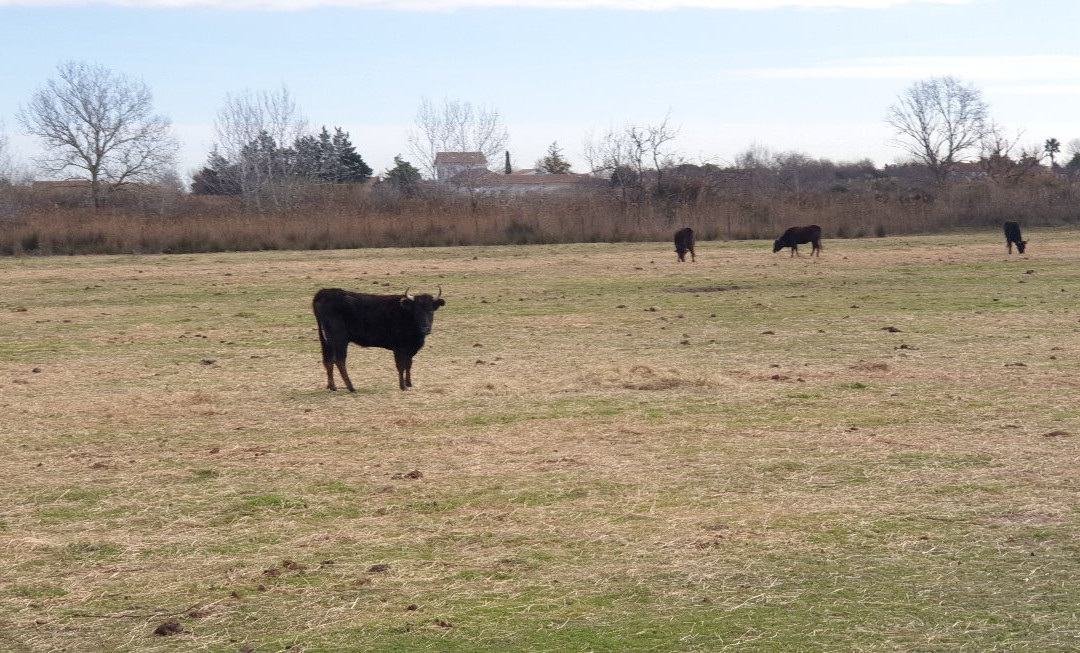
{"type": "Point", "coordinates": [65, 184]}
{"type": "Point", "coordinates": [495, 179]}
{"type": "Point", "coordinates": [460, 158]}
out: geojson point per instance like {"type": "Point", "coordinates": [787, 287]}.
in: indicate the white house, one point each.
{"type": "Point", "coordinates": [451, 164]}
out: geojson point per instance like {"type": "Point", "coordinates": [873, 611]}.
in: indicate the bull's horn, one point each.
{"type": "Point", "coordinates": [407, 295]}
{"type": "Point", "coordinates": [440, 293]}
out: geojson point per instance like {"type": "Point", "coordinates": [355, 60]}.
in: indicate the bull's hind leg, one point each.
{"type": "Point", "coordinates": [329, 365]}
{"type": "Point", "coordinates": [327, 360]}
{"type": "Point", "coordinates": [340, 353]}
{"type": "Point", "coordinates": [404, 369]}
{"type": "Point", "coordinates": [344, 375]}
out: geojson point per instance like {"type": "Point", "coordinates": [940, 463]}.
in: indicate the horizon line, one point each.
{"type": "Point", "coordinates": [442, 6]}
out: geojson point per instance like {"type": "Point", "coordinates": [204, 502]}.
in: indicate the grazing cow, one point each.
{"type": "Point", "coordinates": [1012, 235]}
{"type": "Point", "coordinates": [395, 322]}
{"type": "Point", "coordinates": [684, 242]}
{"type": "Point", "coordinates": [796, 236]}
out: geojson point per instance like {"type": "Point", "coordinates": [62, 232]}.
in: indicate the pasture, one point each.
{"type": "Point", "coordinates": [874, 450]}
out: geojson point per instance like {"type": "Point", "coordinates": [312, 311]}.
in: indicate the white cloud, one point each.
{"type": "Point", "coordinates": [449, 5]}
{"type": "Point", "coordinates": [1044, 68]}
{"type": "Point", "coordinates": [1028, 90]}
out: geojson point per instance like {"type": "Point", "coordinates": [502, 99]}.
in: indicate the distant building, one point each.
{"type": "Point", "coordinates": [451, 164]}
{"type": "Point", "coordinates": [970, 171]}
{"type": "Point", "coordinates": [468, 171]}
{"type": "Point", "coordinates": [64, 185]}
{"type": "Point", "coordinates": [524, 182]}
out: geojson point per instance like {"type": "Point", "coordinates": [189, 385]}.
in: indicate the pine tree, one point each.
{"type": "Point", "coordinates": [310, 156]}
{"type": "Point", "coordinates": [329, 158]}
{"type": "Point", "coordinates": [404, 177]}
{"type": "Point", "coordinates": [554, 163]}
{"type": "Point", "coordinates": [218, 177]}
{"type": "Point", "coordinates": [349, 166]}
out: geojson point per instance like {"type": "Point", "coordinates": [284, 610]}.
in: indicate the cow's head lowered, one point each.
{"type": "Point", "coordinates": [422, 309]}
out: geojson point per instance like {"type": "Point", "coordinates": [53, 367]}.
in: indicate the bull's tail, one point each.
{"type": "Point", "coordinates": [328, 355]}
{"type": "Point", "coordinates": [322, 332]}
{"type": "Point", "coordinates": [322, 335]}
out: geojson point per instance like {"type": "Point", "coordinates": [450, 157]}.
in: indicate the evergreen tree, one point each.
{"type": "Point", "coordinates": [403, 177]}
{"type": "Point", "coordinates": [1073, 166]}
{"type": "Point", "coordinates": [554, 163]}
{"type": "Point", "coordinates": [312, 160]}
{"type": "Point", "coordinates": [218, 177]}
{"type": "Point", "coordinates": [262, 163]}
{"type": "Point", "coordinates": [329, 158]}
{"type": "Point", "coordinates": [349, 166]}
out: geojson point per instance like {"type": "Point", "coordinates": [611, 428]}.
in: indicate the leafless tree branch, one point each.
{"type": "Point", "coordinates": [937, 121]}
{"type": "Point", "coordinates": [99, 125]}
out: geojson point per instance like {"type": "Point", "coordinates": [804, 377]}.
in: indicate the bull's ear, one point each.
{"type": "Point", "coordinates": [440, 302]}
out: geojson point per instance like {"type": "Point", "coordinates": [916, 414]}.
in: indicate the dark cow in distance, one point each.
{"type": "Point", "coordinates": [684, 242]}
{"type": "Point", "coordinates": [796, 236]}
{"type": "Point", "coordinates": [1012, 235]}
{"type": "Point", "coordinates": [395, 322]}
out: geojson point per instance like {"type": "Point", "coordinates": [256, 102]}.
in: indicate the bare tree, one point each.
{"type": "Point", "coordinates": [253, 130]}
{"type": "Point", "coordinates": [655, 139]}
{"type": "Point", "coordinates": [613, 156]}
{"type": "Point", "coordinates": [633, 147]}
{"type": "Point", "coordinates": [624, 156]}
{"type": "Point", "coordinates": [6, 165]}
{"type": "Point", "coordinates": [1074, 148]}
{"type": "Point", "coordinates": [937, 121]}
{"type": "Point", "coordinates": [10, 179]}
{"type": "Point", "coordinates": [99, 125]}
{"type": "Point", "coordinates": [1001, 160]}
{"type": "Point", "coordinates": [456, 127]}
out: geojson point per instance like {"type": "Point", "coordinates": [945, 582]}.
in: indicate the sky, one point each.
{"type": "Point", "coordinates": [808, 76]}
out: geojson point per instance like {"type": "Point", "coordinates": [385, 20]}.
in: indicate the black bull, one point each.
{"type": "Point", "coordinates": [395, 322]}
{"type": "Point", "coordinates": [684, 242]}
{"type": "Point", "coordinates": [796, 236]}
{"type": "Point", "coordinates": [1012, 235]}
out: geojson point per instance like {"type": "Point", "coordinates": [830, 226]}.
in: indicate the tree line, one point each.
{"type": "Point", "coordinates": [100, 126]}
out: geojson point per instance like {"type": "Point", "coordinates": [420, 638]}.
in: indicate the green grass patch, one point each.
{"type": "Point", "coordinates": [644, 459]}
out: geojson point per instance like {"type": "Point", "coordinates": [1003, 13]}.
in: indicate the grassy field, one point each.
{"type": "Point", "coordinates": [604, 450]}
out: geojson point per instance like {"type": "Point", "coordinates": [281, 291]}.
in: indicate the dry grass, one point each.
{"type": "Point", "coordinates": [753, 463]}
{"type": "Point", "coordinates": [322, 217]}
